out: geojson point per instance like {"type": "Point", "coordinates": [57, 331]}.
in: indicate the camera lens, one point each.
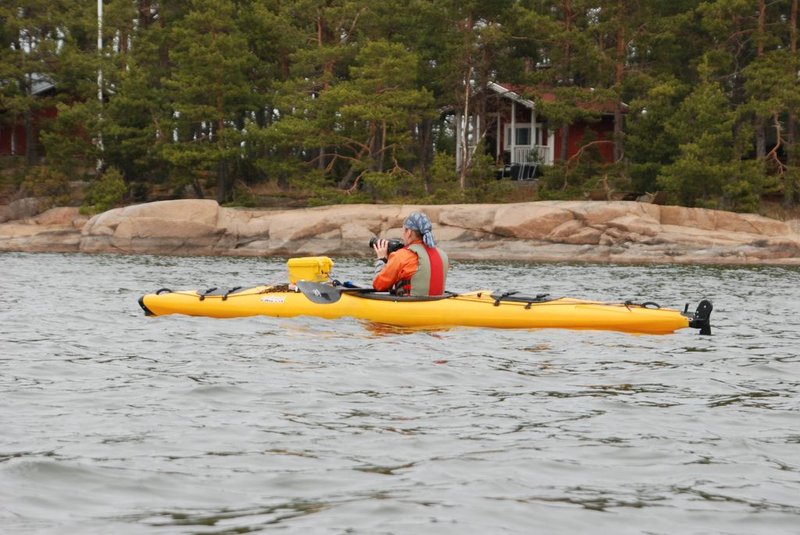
{"type": "Point", "coordinates": [391, 245]}
{"type": "Point", "coordinates": [394, 245]}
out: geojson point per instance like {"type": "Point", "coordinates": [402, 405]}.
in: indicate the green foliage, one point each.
{"type": "Point", "coordinates": [444, 181]}
{"type": "Point", "coordinates": [696, 177]}
{"type": "Point", "coordinates": [443, 173]}
{"type": "Point", "coordinates": [650, 145]}
{"type": "Point", "coordinates": [47, 183]}
{"type": "Point", "coordinates": [354, 99]}
{"type": "Point", "coordinates": [791, 185]}
{"type": "Point", "coordinates": [394, 185]}
{"type": "Point", "coordinates": [133, 131]}
{"type": "Point", "coordinates": [742, 196]}
{"type": "Point", "coordinates": [243, 196]}
{"type": "Point", "coordinates": [708, 170]}
{"type": "Point", "coordinates": [68, 141]}
{"type": "Point", "coordinates": [771, 87]}
{"type": "Point", "coordinates": [105, 192]}
{"type": "Point", "coordinates": [481, 169]}
{"type": "Point", "coordinates": [556, 184]}
{"type": "Point", "coordinates": [208, 89]}
{"type": "Point", "coordinates": [571, 104]}
{"type": "Point", "coordinates": [329, 196]}
{"type": "Point", "coordinates": [491, 191]}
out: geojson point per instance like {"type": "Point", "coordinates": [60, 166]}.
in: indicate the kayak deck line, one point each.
{"type": "Point", "coordinates": [368, 293]}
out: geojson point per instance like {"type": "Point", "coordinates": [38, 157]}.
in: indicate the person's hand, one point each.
{"type": "Point", "coordinates": [381, 249]}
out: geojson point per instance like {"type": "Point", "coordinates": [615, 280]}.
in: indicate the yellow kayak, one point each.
{"type": "Point", "coordinates": [482, 308]}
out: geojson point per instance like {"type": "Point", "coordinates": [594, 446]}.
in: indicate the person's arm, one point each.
{"type": "Point", "coordinates": [389, 272]}
{"type": "Point", "coordinates": [402, 265]}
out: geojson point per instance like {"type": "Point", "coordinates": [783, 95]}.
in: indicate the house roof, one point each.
{"type": "Point", "coordinates": [514, 92]}
{"type": "Point", "coordinates": [40, 85]}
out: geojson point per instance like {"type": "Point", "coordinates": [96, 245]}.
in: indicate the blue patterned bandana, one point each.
{"type": "Point", "coordinates": [419, 222]}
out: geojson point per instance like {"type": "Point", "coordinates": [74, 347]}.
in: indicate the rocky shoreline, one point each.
{"type": "Point", "coordinates": [545, 231]}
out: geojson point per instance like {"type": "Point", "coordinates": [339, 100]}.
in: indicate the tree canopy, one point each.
{"type": "Point", "coordinates": [355, 100]}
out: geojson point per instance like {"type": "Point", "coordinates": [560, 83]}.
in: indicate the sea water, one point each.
{"type": "Point", "coordinates": [113, 422]}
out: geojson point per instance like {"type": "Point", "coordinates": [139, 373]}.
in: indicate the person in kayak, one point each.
{"type": "Point", "coordinates": [419, 268]}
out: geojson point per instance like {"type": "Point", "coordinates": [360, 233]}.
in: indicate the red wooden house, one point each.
{"type": "Point", "coordinates": [14, 136]}
{"type": "Point", "coordinates": [520, 139]}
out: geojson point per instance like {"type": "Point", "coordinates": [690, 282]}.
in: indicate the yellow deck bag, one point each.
{"type": "Point", "coordinates": [309, 268]}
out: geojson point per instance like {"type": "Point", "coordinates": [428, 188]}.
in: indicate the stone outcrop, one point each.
{"type": "Point", "coordinates": [589, 231]}
{"type": "Point", "coordinates": [20, 209]}
{"type": "Point", "coordinates": [55, 230]}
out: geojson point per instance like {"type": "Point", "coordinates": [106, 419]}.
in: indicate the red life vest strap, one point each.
{"type": "Point", "coordinates": [437, 271]}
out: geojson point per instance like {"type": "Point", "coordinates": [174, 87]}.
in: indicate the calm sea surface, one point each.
{"type": "Point", "coordinates": [115, 423]}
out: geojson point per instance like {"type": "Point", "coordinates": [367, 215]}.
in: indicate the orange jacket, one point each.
{"type": "Point", "coordinates": [402, 265]}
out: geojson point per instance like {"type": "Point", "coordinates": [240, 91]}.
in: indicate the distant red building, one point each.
{"type": "Point", "coordinates": [519, 138]}
{"type": "Point", "coordinates": [14, 137]}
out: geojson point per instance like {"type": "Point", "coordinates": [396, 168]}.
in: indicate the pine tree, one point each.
{"type": "Point", "coordinates": [663, 70]}
{"type": "Point", "coordinates": [709, 170]}
{"type": "Point", "coordinates": [31, 34]}
{"type": "Point", "coordinates": [209, 90]}
{"type": "Point", "coordinates": [138, 117]}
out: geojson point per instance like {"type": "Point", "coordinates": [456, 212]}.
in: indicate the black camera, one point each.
{"type": "Point", "coordinates": [393, 246]}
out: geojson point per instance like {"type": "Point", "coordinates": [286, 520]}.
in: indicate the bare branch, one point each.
{"type": "Point", "coordinates": [351, 189]}
{"type": "Point", "coordinates": [773, 154]}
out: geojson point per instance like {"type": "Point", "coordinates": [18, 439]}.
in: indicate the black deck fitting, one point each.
{"type": "Point", "coordinates": [702, 317]}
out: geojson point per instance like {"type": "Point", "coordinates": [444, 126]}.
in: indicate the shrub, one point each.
{"type": "Point", "coordinates": [105, 192]}
{"type": "Point", "coordinates": [47, 183]}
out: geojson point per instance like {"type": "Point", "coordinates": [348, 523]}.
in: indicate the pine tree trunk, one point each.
{"type": "Point", "coordinates": [792, 156]}
{"type": "Point", "coordinates": [223, 182]}
{"type": "Point", "coordinates": [321, 159]}
{"type": "Point", "coordinates": [465, 153]}
{"type": "Point", "coordinates": [619, 70]}
{"type": "Point", "coordinates": [382, 152]}
{"type": "Point", "coordinates": [567, 7]}
{"type": "Point", "coordinates": [30, 139]}
{"type": "Point", "coordinates": [425, 149]}
{"type": "Point", "coordinates": [198, 189]}
{"type": "Point", "coordinates": [761, 134]}
{"type": "Point", "coordinates": [761, 140]}
{"type": "Point", "coordinates": [466, 159]}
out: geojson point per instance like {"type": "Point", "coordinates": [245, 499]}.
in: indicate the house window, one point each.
{"type": "Point", "coordinates": [522, 137]}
